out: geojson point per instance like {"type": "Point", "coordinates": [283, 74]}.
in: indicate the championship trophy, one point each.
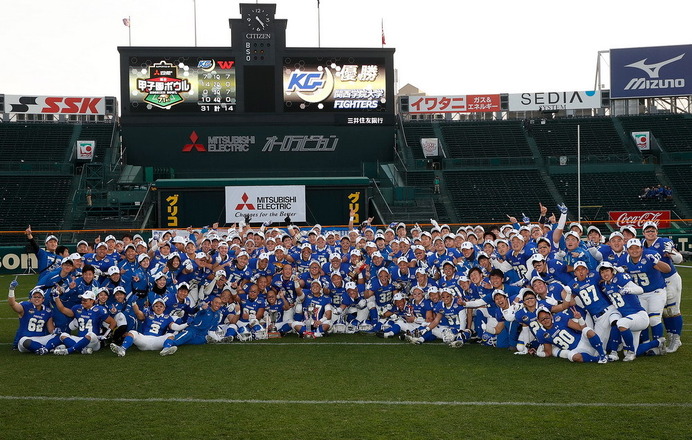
{"type": "Point", "coordinates": [272, 331]}
{"type": "Point", "coordinates": [309, 321]}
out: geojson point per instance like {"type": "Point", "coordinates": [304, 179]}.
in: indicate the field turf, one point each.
{"type": "Point", "coordinates": [340, 387]}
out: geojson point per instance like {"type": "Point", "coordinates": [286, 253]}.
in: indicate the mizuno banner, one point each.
{"type": "Point", "coordinates": [647, 72]}
{"type": "Point", "coordinates": [265, 203]}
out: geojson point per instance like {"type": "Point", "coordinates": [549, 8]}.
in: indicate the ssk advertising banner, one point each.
{"type": "Point", "coordinates": [646, 72]}
{"type": "Point", "coordinates": [265, 203]}
{"type": "Point", "coordinates": [66, 105]}
{"type": "Point", "coordinates": [554, 101]}
{"type": "Point", "coordinates": [638, 218]}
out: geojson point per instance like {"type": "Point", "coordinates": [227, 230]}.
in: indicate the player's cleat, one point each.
{"type": "Point", "coordinates": [674, 343]}
{"type": "Point", "coordinates": [662, 346]}
{"type": "Point", "coordinates": [87, 350]}
{"type": "Point", "coordinates": [456, 344]}
{"type": "Point", "coordinates": [168, 350]}
{"type": "Point", "coordinates": [117, 349]}
{"type": "Point", "coordinates": [41, 351]}
{"type": "Point", "coordinates": [629, 356]}
{"type": "Point", "coordinates": [60, 351]}
{"type": "Point", "coordinates": [379, 334]}
{"type": "Point", "coordinates": [227, 339]}
{"type": "Point", "coordinates": [416, 341]}
{"type": "Point", "coordinates": [210, 339]}
{"type": "Point", "coordinates": [603, 359]}
{"type": "Point", "coordinates": [613, 356]}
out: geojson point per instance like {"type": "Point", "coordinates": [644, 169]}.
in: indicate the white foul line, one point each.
{"type": "Point", "coordinates": [348, 402]}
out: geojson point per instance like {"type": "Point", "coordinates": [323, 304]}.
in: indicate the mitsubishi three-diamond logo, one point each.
{"type": "Point", "coordinates": [198, 147]}
{"type": "Point", "coordinates": [244, 198]}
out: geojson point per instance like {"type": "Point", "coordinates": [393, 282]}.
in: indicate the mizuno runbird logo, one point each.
{"type": "Point", "coordinates": [653, 69]}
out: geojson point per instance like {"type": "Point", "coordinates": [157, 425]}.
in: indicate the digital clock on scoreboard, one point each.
{"type": "Point", "coordinates": [182, 85]}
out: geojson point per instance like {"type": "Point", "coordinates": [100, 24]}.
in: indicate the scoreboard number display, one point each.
{"type": "Point", "coordinates": [182, 85]}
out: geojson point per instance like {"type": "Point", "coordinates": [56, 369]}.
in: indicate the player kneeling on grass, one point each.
{"type": "Point", "coordinates": [206, 320]}
{"type": "Point", "coordinates": [449, 324]}
{"type": "Point", "coordinates": [399, 315]}
{"type": "Point", "coordinates": [317, 313]}
{"type": "Point", "coordinates": [90, 319]}
{"type": "Point", "coordinates": [34, 334]}
{"type": "Point", "coordinates": [154, 331]}
{"type": "Point", "coordinates": [570, 338]}
{"type": "Point", "coordinates": [623, 293]}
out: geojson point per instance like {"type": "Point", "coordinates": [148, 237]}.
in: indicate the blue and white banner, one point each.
{"type": "Point", "coordinates": [649, 72]}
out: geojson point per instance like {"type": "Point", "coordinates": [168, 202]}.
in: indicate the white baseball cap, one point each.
{"type": "Point", "coordinates": [113, 270]}
{"type": "Point", "coordinates": [634, 242]}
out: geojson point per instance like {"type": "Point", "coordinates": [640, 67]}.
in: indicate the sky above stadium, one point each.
{"type": "Point", "coordinates": [451, 47]}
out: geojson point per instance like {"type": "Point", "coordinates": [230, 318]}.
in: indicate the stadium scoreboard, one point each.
{"type": "Point", "coordinates": [185, 84]}
{"type": "Point", "coordinates": [257, 107]}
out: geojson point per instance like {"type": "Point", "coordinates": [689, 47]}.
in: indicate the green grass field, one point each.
{"type": "Point", "coordinates": [341, 387]}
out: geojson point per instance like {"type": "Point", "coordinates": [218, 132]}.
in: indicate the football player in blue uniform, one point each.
{"type": "Point", "coordinates": [100, 260]}
{"type": "Point", "coordinates": [353, 309]}
{"type": "Point", "coordinates": [672, 318]}
{"type": "Point", "coordinates": [646, 270]}
{"type": "Point", "coordinates": [563, 336]}
{"type": "Point", "coordinates": [253, 310]}
{"type": "Point", "coordinates": [379, 292]}
{"type": "Point", "coordinates": [576, 250]}
{"type": "Point", "coordinates": [206, 320]}
{"type": "Point", "coordinates": [47, 258]}
{"type": "Point", "coordinates": [155, 328]}
{"type": "Point", "coordinates": [317, 313]}
{"type": "Point", "coordinates": [623, 294]}
{"type": "Point", "coordinates": [448, 325]}
{"type": "Point", "coordinates": [34, 334]}
{"type": "Point", "coordinates": [589, 298]}
{"type": "Point", "coordinates": [90, 319]}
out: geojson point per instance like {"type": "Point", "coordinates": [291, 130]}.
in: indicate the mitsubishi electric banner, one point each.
{"type": "Point", "coordinates": [265, 203]}
{"type": "Point", "coordinates": [646, 72]}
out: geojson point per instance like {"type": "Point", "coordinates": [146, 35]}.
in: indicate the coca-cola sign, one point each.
{"type": "Point", "coordinates": [638, 218]}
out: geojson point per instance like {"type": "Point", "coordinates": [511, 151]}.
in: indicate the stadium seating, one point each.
{"type": "Point", "coordinates": [36, 200]}
{"type": "Point", "coordinates": [558, 137]}
{"type": "Point", "coordinates": [680, 177]}
{"type": "Point", "coordinates": [102, 134]}
{"type": "Point", "coordinates": [674, 132]}
{"type": "Point", "coordinates": [413, 132]}
{"type": "Point", "coordinates": [609, 191]}
{"type": "Point", "coordinates": [488, 196]}
{"type": "Point", "coordinates": [423, 181]}
{"type": "Point", "coordinates": [35, 142]}
{"type": "Point", "coordinates": [485, 139]}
